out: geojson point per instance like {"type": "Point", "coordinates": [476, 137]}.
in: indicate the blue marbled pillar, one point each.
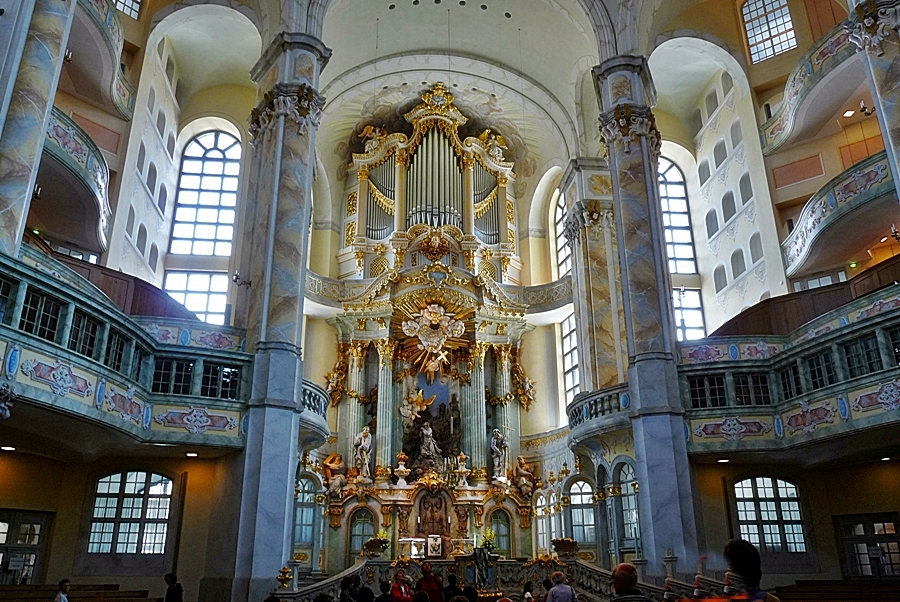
{"type": "Point", "coordinates": [22, 139]}
{"type": "Point", "coordinates": [665, 498]}
{"type": "Point", "coordinates": [278, 428]}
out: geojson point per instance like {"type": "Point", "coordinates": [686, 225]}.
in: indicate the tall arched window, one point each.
{"type": "Point", "coordinates": [676, 219]}
{"type": "Point", "coordinates": [542, 519]}
{"type": "Point", "coordinates": [207, 196]}
{"type": "Point", "coordinates": [628, 483]}
{"type": "Point", "coordinates": [769, 28]}
{"type": "Point", "coordinates": [746, 189]}
{"type": "Point", "coordinates": [555, 518]}
{"type": "Point", "coordinates": [719, 278]}
{"type": "Point", "coordinates": [563, 251]}
{"type": "Point", "coordinates": [362, 528]}
{"type": "Point", "coordinates": [304, 512]}
{"type": "Point", "coordinates": [728, 207]}
{"type": "Point", "coordinates": [500, 527]}
{"type": "Point", "coordinates": [737, 136]}
{"type": "Point", "coordinates": [720, 153]}
{"type": "Point", "coordinates": [738, 266]}
{"type": "Point", "coordinates": [769, 514]}
{"type": "Point", "coordinates": [712, 223]}
{"type": "Point", "coordinates": [756, 250]}
{"type": "Point", "coordinates": [581, 498]}
{"type": "Point", "coordinates": [131, 514]}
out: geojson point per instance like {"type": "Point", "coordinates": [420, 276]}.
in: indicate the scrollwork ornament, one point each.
{"type": "Point", "coordinates": [303, 106]}
{"type": "Point", "coordinates": [872, 26]}
{"type": "Point", "coordinates": [627, 124]}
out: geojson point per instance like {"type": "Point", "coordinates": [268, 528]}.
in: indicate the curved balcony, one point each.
{"type": "Point", "coordinates": [596, 412]}
{"type": "Point", "coordinates": [857, 198]}
{"type": "Point", "coordinates": [828, 74]}
{"type": "Point", "coordinates": [65, 382]}
{"type": "Point", "coordinates": [754, 413]}
{"type": "Point", "coordinates": [96, 42]}
{"type": "Point", "coordinates": [74, 179]}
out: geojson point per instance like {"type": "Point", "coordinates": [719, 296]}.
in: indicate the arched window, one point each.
{"type": "Point", "coordinates": [720, 153]}
{"type": "Point", "coordinates": [581, 498]}
{"type": "Point", "coordinates": [163, 198]}
{"type": "Point", "coordinates": [131, 514]}
{"type": "Point", "coordinates": [563, 251]}
{"type": "Point", "coordinates": [756, 250]}
{"type": "Point", "coordinates": [129, 225]}
{"type": "Point", "coordinates": [712, 223]}
{"type": "Point", "coordinates": [142, 158]}
{"type": "Point", "coordinates": [170, 145]}
{"type": "Point", "coordinates": [727, 83]}
{"type": "Point", "coordinates": [629, 517]}
{"type": "Point", "coordinates": [676, 219]}
{"type": "Point", "coordinates": [746, 189]}
{"type": "Point", "coordinates": [696, 121]}
{"type": "Point", "coordinates": [703, 172]}
{"type": "Point", "coordinates": [569, 338]}
{"type": "Point", "coordinates": [305, 512]}
{"type": "Point", "coordinates": [142, 239]}
{"type": "Point", "coordinates": [151, 178]}
{"type": "Point", "coordinates": [712, 103]}
{"type": "Point", "coordinates": [500, 527]}
{"type": "Point", "coordinates": [543, 520]}
{"type": "Point", "coordinates": [769, 28]}
{"type": "Point", "coordinates": [768, 512]}
{"type": "Point", "coordinates": [555, 517]}
{"type": "Point", "coordinates": [207, 196]}
{"type": "Point", "coordinates": [161, 123]}
{"type": "Point", "coordinates": [362, 528]}
{"type": "Point", "coordinates": [151, 100]}
{"type": "Point", "coordinates": [737, 135]}
{"type": "Point", "coordinates": [728, 207]}
{"type": "Point", "coordinates": [170, 70]}
{"type": "Point", "coordinates": [719, 278]}
{"type": "Point", "coordinates": [738, 266]}
{"type": "Point", "coordinates": [153, 259]}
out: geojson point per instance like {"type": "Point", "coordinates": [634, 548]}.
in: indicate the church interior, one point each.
{"type": "Point", "coordinates": [513, 287]}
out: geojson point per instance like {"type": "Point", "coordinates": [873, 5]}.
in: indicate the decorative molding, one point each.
{"type": "Point", "coordinates": [302, 105]}
{"type": "Point", "coordinates": [196, 420]}
{"type": "Point", "coordinates": [626, 124]}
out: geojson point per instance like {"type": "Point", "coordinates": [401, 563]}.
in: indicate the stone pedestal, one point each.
{"type": "Point", "coordinates": [28, 112]}
{"type": "Point", "coordinates": [665, 502]}
{"type": "Point", "coordinates": [283, 128]}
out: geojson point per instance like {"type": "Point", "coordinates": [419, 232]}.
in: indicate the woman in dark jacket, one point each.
{"type": "Point", "coordinates": [174, 593]}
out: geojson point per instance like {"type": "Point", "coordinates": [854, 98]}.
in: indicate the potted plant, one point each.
{"type": "Point", "coordinates": [376, 545]}
{"type": "Point", "coordinates": [489, 540]}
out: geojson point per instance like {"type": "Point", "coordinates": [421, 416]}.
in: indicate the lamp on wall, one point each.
{"type": "Point", "coordinates": [865, 110]}
{"type": "Point", "coordinates": [895, 233]}
{"type": "Point", "coordinates": [240, 281]}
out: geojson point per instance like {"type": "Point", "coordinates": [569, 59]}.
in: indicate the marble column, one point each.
{"type": "Point", "coordinates": [503, 394]}
{"type": "Point", "coordinates": [28, 113]}
{"type": "Point", "coordinates": [596, 291]}
{"type": "Point", "coordinates": [666, 508]}
{"type": "Point", "coordinates": [282, 127]}
{"type": "Point", "coordinates": [384, 450]}
{"type": "Point", "coordinates": [354, 414]}
{"type": "Point", "coordinates": [474, 415]}
{"type": "Point", "coordinates": [874, 27]}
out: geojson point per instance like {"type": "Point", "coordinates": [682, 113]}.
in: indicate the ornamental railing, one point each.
{"type": "Point", "coordinates": [867, 181]}
{"type": "Point", "coordinates": [314, 398]}
{"type": "Point", "coordinates": [829, 52]}
{"type": "Point", "coordinates": [71, 146]}
{"type": "Point", "coordinates": [593, 405]}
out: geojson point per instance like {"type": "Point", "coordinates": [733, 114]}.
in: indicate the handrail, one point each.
{"type": "Point", "coordinates": [330, 586]}
{"type": "Point", "coordinates": [314, 398]}
{"type": "Point", "coordinates": [594, 404]}
{"type": "Point", "coordinates": [828, 52]}
{"type": "Point", "coordinates": [75, 149]}
{"type": "Point", "coordinates": [866, 181]}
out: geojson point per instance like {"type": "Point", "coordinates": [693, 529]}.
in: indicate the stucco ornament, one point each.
{"type": "Point", "coordinates": [873, 26]}
{"type": "Point", "coordinates": [433, 325]}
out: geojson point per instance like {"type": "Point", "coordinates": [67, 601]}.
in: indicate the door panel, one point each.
{"type": "Point", "coordinates": [23, 539]}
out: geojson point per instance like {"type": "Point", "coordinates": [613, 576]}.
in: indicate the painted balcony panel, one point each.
{"type": "Point", "coordinates": [827, 75]}
{"type": "Point", "coordinates": [857, 198]}
{"type": "Point", "coordinates": [45, 373]}
{"type": "Point", "coordinates": [74, 180]}
{"type": "Point", "coordinates": [861, 406]}
{"type": "Point", "coordinates": [96, 42]}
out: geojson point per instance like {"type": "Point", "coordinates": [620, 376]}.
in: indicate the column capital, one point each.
{"type": "Point", "coordinates": [624, 79]}
{"type": "Point", "coordinates": [871, 23]}
{"type": "Point", "coordinates": [300, 104]}
{"type": "Point", "coordinates": [626, 124]}
{"type": "Point", "coordinates": [386, 348]}
{"type": "Point", "coordinates": [293, 45]}
{"type": "Point", "coordinates": [588, 213]}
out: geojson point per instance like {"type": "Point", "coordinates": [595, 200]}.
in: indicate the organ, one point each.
{"type": "Point", "coordinates": [430, 197]}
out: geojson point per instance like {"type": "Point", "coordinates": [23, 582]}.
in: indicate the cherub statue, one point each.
{"type": "Point", "coordinates": [524, 478]}
{"type": "Point", "coordinates": [494, 143]}
{"type": "Point", "coordinates": [373, 135]}
{"type": "Point", "coordinates": [336, 473]}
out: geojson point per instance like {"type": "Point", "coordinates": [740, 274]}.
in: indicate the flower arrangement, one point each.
{"type": "Point", "coordinates": [489, 539]}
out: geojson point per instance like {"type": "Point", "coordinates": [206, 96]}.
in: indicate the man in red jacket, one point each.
{"type": "Point", "coordinates": [401, 592]}
{"type": "Point", "coordinates": [431, 584]}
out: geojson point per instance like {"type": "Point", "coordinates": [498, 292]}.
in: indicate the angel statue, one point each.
{"type": "Point", "coordinates": [373, 135]}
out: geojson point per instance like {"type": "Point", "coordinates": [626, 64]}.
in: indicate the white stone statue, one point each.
{"type": "Point", "coordinates": [429, 448]}
{"type": "Point", "coordinates": [499, 449]}
{"type": "Point", "coordinates": [362, 448]}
